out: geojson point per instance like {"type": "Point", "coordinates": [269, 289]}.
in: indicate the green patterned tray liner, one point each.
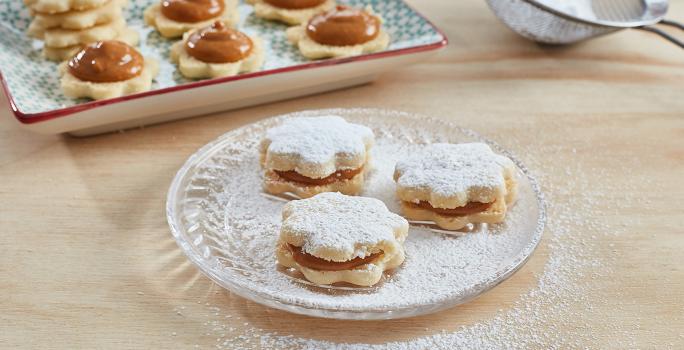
{"type": "Point", "coordinates": [34, 82]}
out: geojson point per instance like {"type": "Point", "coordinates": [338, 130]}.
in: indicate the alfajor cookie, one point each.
{"type": "Point", "coordinates": [340, 32]}
{"type": "Point", "coordinates": [217, 51]}
{"type": "Point", "coordinates": [59, 6]}
{"type": "Point", "coordinates": [109, 12]}
{"type": "Point", "coordinates": [172, 18]}
{"type": "Point", "coordinates": [107, 69]}
{"type": "Point", "coordinates": [453, 185]}
{"type": "Point", "coordinates": [309, 155]}
{"type": "Point", "coordinates": [333, 238]}
{"type": "Point", "coordinates": [291, 12]}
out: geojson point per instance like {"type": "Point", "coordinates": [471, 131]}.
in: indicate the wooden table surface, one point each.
{"type": "Point", "coordinates": [88, 262]}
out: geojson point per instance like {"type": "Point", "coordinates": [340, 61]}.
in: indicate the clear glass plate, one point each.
{"type": "Point", "coordinates": [228, 227]}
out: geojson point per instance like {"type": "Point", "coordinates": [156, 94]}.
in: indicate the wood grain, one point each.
{"type": "Point", "coordinates": [87, 260]}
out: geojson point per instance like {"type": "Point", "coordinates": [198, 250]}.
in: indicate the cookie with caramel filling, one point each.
{"type": "Point", "coordinates": [340, 32]}
{"type": "Point", "coordinates": [107, 69]}
{"type": "Point", "coordinates": [217, 51]}
{"type": "Point", "coordinates": [291, 12]}
{"type": "Point", "coordinates": [333, 238]}
{"type": "Point", "coordinates": [172, 18]}
{"type": "Point", "coordinates": [309, 155]}
{"type": "Point", "coordinates": [454, 185]}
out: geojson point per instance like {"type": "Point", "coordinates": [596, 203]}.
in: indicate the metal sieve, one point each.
{"type": "Point", "coordinates": [569, 21]}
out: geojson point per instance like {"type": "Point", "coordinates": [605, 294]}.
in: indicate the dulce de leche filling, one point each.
{"type": "Point", "coordinates": [294, 4]}
{"type": "Point", "coordinates": [468, 209]}
{"type": "Point", "coordinates": [316, 263]}
{"type": "Point", "coordinates": [339, 175]}
{"type": "Point", "coordinates": [191, 11]}
{"type": "Point", "coordinates": [106, 62]}
{"type": "Point", "coordinates": [343, 26]}
{"type": "Point", "coordinates": [218, 44]}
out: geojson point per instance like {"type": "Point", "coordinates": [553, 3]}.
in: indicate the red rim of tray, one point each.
{"type": "Point", "coordinates": [29, 118]}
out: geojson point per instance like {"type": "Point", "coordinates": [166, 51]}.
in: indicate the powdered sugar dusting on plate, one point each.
{"type": "Point", "coordinates": [539, 317]}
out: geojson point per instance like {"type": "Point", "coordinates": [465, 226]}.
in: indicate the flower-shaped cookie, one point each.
{"type": "Point", "coordinates": [217, 51]}
{"type": "Point", "coordinates": [126, 35]}
{"type": "Point", "coordinates": [58, 37]}
{"type": "Point", "coordinates": [340, 32]}
{"type": "Point", "coordinates": [336, 238]}
{"type": "Point", "coordinates": [172, 18]}
{"type": "Point", "coordinates": [290, 11]}
{"type": "Point", "coordinates": [107, 13]}
{"type": "Point", "coordinates": [59, 6]}
{"type": "Point", "coordinates": [310, 155]}
{"type": "Point", "coordinates": [107, 69]}
{"type": "Point", "coordinates": [456, 184]}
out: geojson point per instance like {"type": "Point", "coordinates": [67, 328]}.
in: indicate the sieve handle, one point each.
{"type": "Point", "coordinates": [664, 34]}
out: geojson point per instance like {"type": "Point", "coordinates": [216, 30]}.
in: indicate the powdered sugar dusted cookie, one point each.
{"type": "Point", "coordinates": [456, 184]}
{"type": "Point", "coordinates": [107, 69]}
{"type": "Point", "coordinates": [172, 18]}
{"type": "Point", "coordinates": [336, 238]}
{"type": "Point", "coordinates": [340, 32]}
{"type": "Point", "coordinates": [290, 11]}
{"type": "Point", "coordinates": [306, 156]}
{"type": "Point", "coordinates": [217, 51]}
{"type": "Point", "coordinates": [57, 6]}
{"type": "Point", "coordinates": [108, 12]}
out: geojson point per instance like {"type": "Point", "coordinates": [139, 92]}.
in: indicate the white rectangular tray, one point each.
{"type": "Point", "coordinates": [32, 83]}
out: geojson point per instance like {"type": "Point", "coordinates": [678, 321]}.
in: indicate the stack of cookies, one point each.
{"type": "Point", "coordinates": [66, 26]}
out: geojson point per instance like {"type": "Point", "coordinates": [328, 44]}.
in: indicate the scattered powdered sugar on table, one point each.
{"type": "Point", "coordinates": [535, 320]}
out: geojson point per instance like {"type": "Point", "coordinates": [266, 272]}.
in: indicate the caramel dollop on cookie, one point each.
{"type": "Point", "coordinates": [191, 11]}
{"type": "Point", "coordinates": [343, 26]}
{"type": "Point", "coordinates": [106, 62]}
{"type": "Point", "coordinates": [218, 44]}
{"type": "Point", "coordinates": [294, 4]}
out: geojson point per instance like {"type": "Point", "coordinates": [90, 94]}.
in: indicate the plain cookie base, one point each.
{"type": "Point", "coordinates": [274, 184]}
{"type": "Point", "coordinates": [193, 68]}
{"type": "Point", "coordinates": [365, 275]}
{"type": "Point", "coordinates": [128, 35]}
{"type": "Point", "coordinates": [292, 17]}
{"type": "Point", "coordinates": [313, 50]}
{"type": "Point", "coordinates": [67, 37]}
{"type": "Point", "coordinates": [78, 19]}
{"type": "Point", "coordinates": [493, 215]}
{"type": "Point", "coordinates": [169, 28]}
{"type": "Point", "coordinates": [59, 6]}
{"type": "Point", "coordinates": [75, 88]}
